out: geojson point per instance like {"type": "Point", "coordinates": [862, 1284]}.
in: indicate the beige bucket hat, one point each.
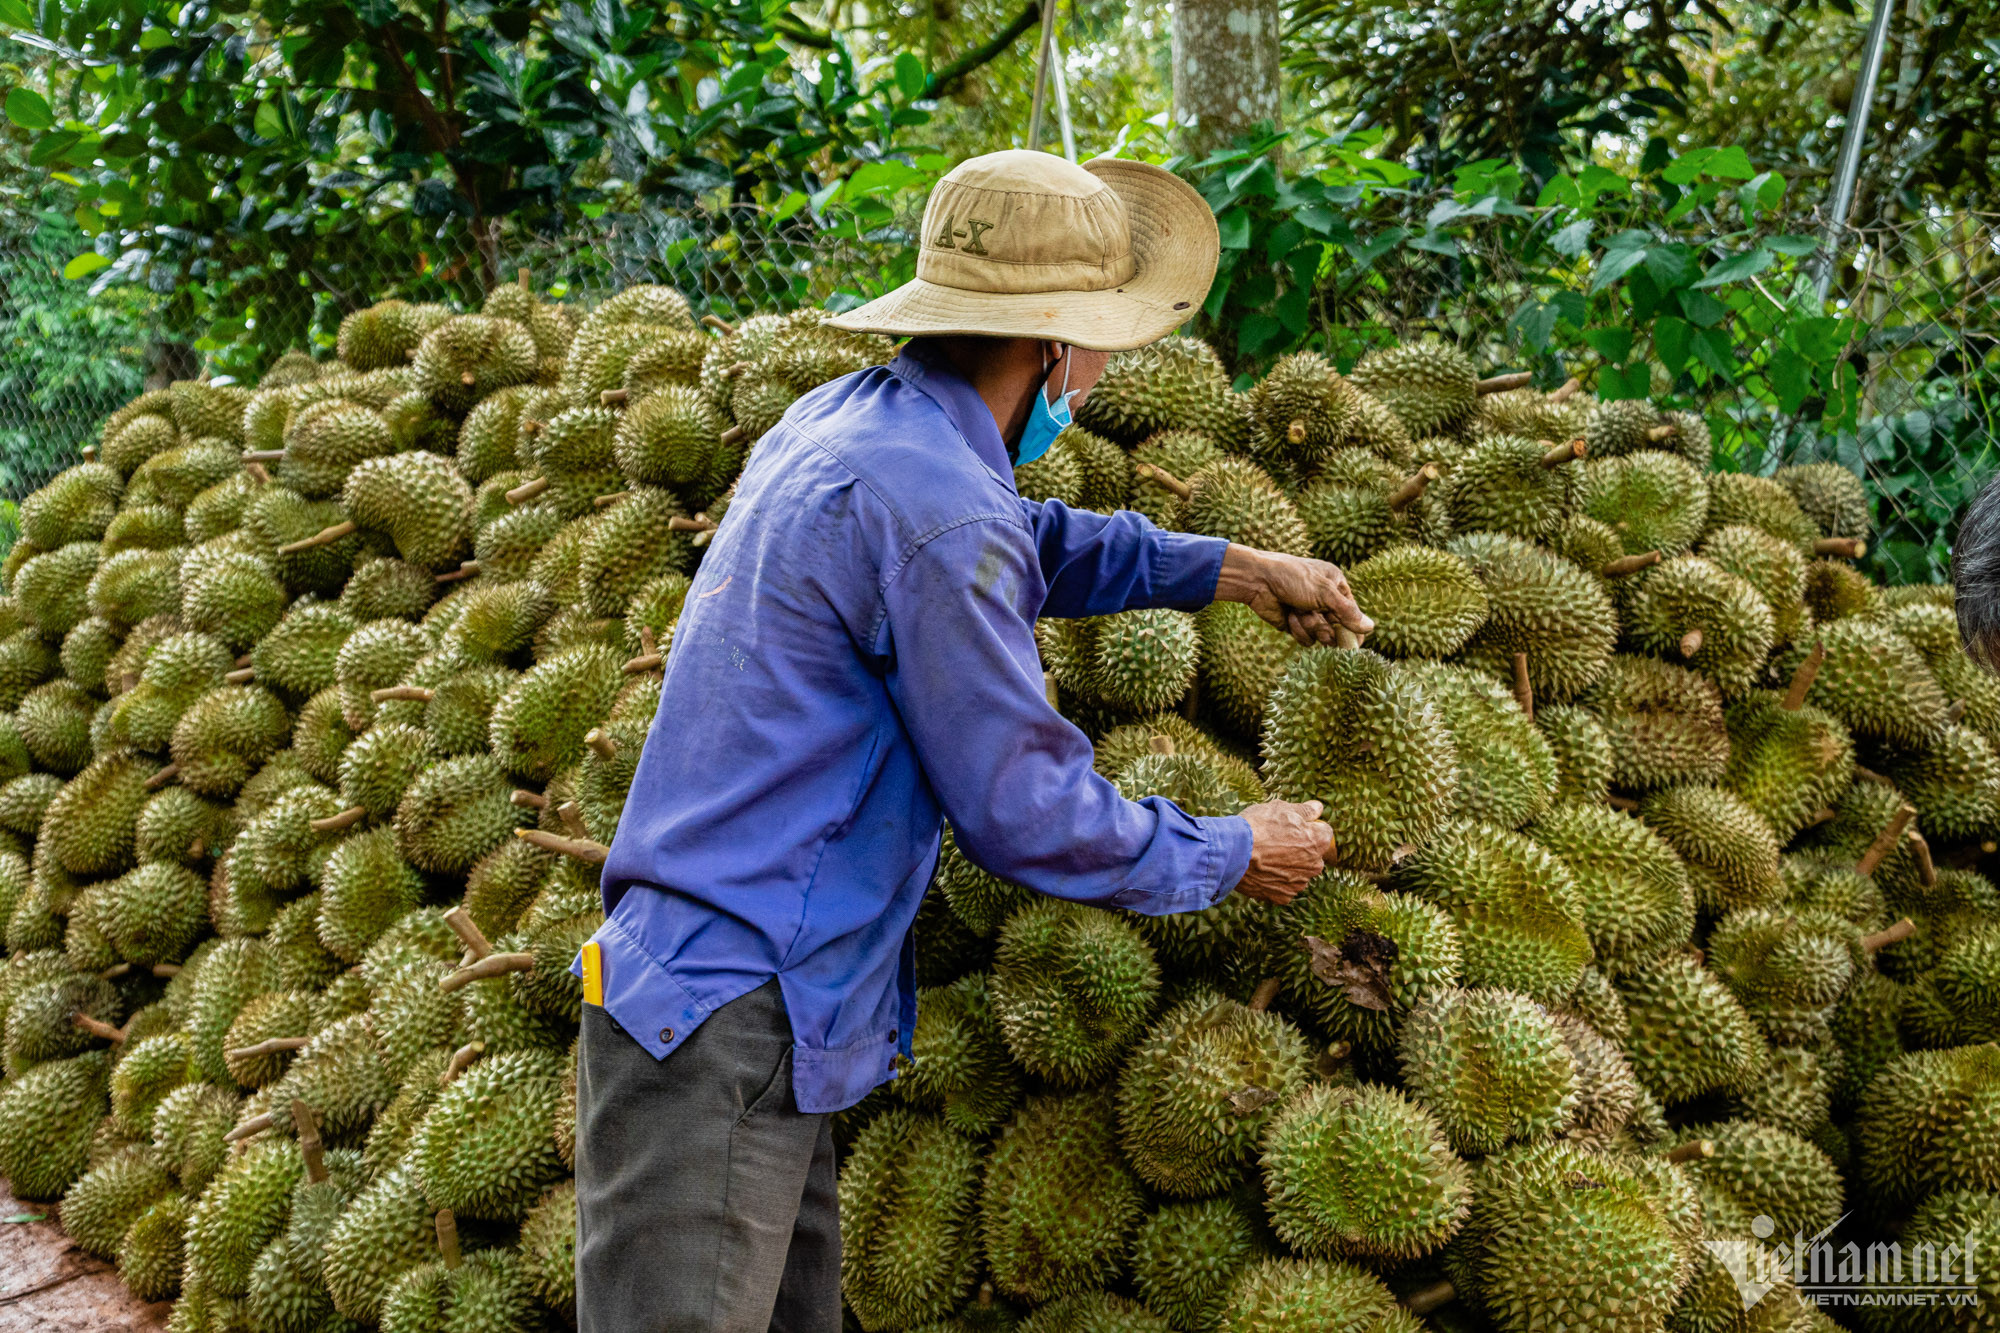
{"type": "Point", "coordinates": [1108, 255]}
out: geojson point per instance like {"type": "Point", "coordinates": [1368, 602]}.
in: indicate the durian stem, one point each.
{"type": "Point", "coordinates": [1955, 711]}
{"type": "Point", "coordinates": [611, 397]}
{"type": "Point", "coordinates": [1164, 479]}
{"type": "Point", "coordinates": [1870, 775]}
{"type": "Point", "coordinates": [732, 435]}
{"type": "Point", "coordinates": [1631, 564]}
{"type": "Point", "coordinates": [97, 1027]}
{"type": "Point", "coordinates": [608, 499]}
{"type": "Point", "coordinates": [1424, 1301]}
{"type": "Point", "coordinates": [736, 370]}
{"type": "Point", "coordinates": [257, 473]}
{"type": "Point", "coordinates": [465, 570]}
{"type": "Point", "coordinates": [1625, 803]}
{"type": "Point", "coordinates": [1296, 432]}
{"type": "Point", "coordinates": [1561, 454]}
{"type": "Point", "coordinates": [163, 777]}
{"type": "Point", "coordinates": [1524, 690]}
{"type": "Point", "coordinates": [1049, 689]}
{"type": "Point", "coordinates": [1567, 390]}
{"type": "Point", "coordinates": [699, 523]}
{"type": "Point", "coordinates": [1882, 939]}
{"type": "Point", "coordinates": [1267, 991]}
{"type": "Point", "coordinates": [1659, 433]}
{"type": "Point", "coordinates": [269, 1046]}
{"type": "Point", "coordinates": [600, 744]}
{"type": "Point", "coordinates": [718, 323]}
{"type": "Point", "coordinates": [1519, 379]}
{"type": "Point", "coordinates": [467, 378]}
{"type": "Point", "coordinates": [571, 815]}
{"type": "Point", "coordinates": [414, 694]}
{"type": "Point", "coordinates": [461, 1060]}
{"type": "Point", "coordinates": [643, 663]}
{"type": "Point", "coordinates": [1802, 679]}
{"type": "Point", "coordinates": [1344, 637]}
{"type": "Point", "coordinates": [447, 1232]}
{"type": "Point", "coordinates": [1691, 642]}
{"type": "Point", "coordinates": [128, 682]}
{"type": "Point", "coordinates": [527, 491]}
{"type": "Point", "coordinates": [1926, 868]}
{"type": "Point", "coordinates": [197, 850]}
{"type": "Point", "coordinates": [310, 1146]}
{"type": "Point", "coordinates": [492, 965]}
{"type": "Point", "coordinates": [531, 427]}
{"type": "Point", "coordinates": [165, 971]}
{"type": "Point", "coordinates": [1885, 841]}
{"type": "Point", "coordinates": [1824, 815]}
{"type": "Point", "coordinates": [581, 848]}
{"type": "Point", "coordinates": [1847, 548]}
{"type": "Point", "coordinates": [240, 676]}
{"type": "Point", "coordinates": [463, 926]}
{"type": "Point", "coordinates": [521, 277]}
{"type": "Point", "coordinates": [529, 800]}
{"type": "Point", "coordinates": [1160, 745]}
{"type": "Point", "coordinates": [90, 453]}
{"type": "Point", "coordinates": [1693, 1151]}
{"type": "Point", "coordinates": [256, 1124]}
{"type": "Point", "coordinates": [1412, 486]}
{"type": "Point", "coordinates": [115, 971]}
{"type": "Point", "coordinates": [347, 818]}
{"type": "Point", "coordinates": [1191, 701]}
{"type": "Point", "coordinates": [262, 456]}
{"type": "Point", "coordinates": [648, 643]}
{"type": "Point", "coordinates": [324, 537]}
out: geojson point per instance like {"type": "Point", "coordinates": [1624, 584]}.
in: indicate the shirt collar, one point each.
{"type": "Point", "coordinates": [924, 364]}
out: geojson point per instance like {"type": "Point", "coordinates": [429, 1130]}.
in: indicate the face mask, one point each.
{"type": "Point", "coordinates": [1046, 420]}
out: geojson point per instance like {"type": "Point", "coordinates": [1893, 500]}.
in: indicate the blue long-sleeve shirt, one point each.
{"type": "Point", "coordinates": [856, 661]}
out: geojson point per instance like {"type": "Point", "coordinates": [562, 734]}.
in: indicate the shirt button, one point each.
{"type": "Point", "coordinates": [666, 1034]}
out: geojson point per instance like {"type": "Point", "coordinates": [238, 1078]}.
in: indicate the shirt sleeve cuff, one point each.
{"type": "Point", "coordinates": [1185, 569]}
{"type": "Point", "coordinates": [1230, 837]}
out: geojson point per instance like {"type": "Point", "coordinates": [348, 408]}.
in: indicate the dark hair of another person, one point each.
{"type": "Point", "coordinates": [1975, 573]}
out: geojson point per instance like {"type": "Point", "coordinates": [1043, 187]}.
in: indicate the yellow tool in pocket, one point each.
{"type": "Point", "coordinates": [593, 974]}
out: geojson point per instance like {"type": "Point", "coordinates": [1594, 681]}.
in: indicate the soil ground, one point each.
{"type": "Point", "coordinates": [46, 1283]}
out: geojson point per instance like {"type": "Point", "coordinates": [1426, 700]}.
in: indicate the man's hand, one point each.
{"type": "Point", "coordinates": [1308, 598]}
{"type": "Point", "coordinates": [1289, 846]}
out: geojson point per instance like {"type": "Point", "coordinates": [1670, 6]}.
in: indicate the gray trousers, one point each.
{"type": "Point", "coordinates": [704, 1198]}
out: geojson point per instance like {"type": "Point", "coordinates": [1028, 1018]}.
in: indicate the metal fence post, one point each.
{"type": "Point", "coordinates": [1848, 165]}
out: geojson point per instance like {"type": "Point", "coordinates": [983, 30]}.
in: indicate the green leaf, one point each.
{"type": "Point", "coordinates": [1613, 344]}
{"type": "Point", "coordinates": [14, 14]}
{"type": "Point", "coordinates": [1796, 246]}
{"type": "Point", "coordinates": [1534, 323]}
{"type": "Point", "coordinates": [1791, 378]}
{"type": "Point", "coordinates": [789, 205]}
{"type": "Point", "coordinates": [1670, 265]}
{"type": "Point", "coordinates": [1234, 226]}
{"type": "Point", "coordinates": [1615, 265]}
{"type": "Point", "coordinates": [152, 39]}
{"type": "Point", "coordinates": [1670, 342]}
{"type": "Point", "coordinates": [1730, 163]}
{"type": "Point", "coordinates": [29, 109]}
{"type": "Point", "coordinates": [909, 75]}
{"type": "Point", "coordinates": [1712, 349]}
{"type": "Point", "coordinates": [1687, 168]}
{"type": "Point", "coordinates": [1633, 381]}
{"type": "Point", "coordinates": [85, 264]}
{"type": "Point", "coordinates": [14, 1218]}
{"type": "Point", "coordinates": [1701, 308]}
{"type": "Point", "coordinates": [1572, 240]}
{"type": "Point", "coordinates": [1738, 267]}
{"type": "Point", "coordinates": [269, 121]}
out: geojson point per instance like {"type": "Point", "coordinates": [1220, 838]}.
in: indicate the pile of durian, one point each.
{"type": "Point", "coordinates": [1655, 910]}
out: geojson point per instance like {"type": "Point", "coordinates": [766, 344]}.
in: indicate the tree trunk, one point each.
{"type": "Point", "coordinates": [1226, 74]}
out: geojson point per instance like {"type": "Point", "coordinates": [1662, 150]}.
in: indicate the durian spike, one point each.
{"type": "Point", "coordinates": [1267, 991]}
{"type": "Point", "coordinates": [521, 277]}
{"type": "Point", "coordinates": [1802, 679]}
{"type": "Point", "coordinates": [492, 965]}
{"type": "Point", "coordinates": [1519, 379]}
{"type": "Point", "coordinates": [718, 323]}
{"type": "Point", "coordinates": [1566, 391]}
{"type": "Point", "coordinates": [571, 815]}
{"type": "Point", "coordinates": [346, 819]}
{"type": "Point", "coordinates": [465, 570]}
{"type": "Point", "coordinates": [1160, 745]}
{"type": "Point", "coordinates": [528, 800]}
{"type": "Point", "coordinates": [732, 435]}
{"type": "Point", "coordinates": [1659, 433]}
{"type": "Point", "coordinates": [257, 473]}
{"type": "Point", "coordinates": [1412, 487]}
{"type": "Point", "coordinates": [1885, 841]}
{"type": "Point", "coordinates": [256, 1124]}
{"type": "Point", "coordinates": [613, 396]}
{"type": "Point", "coordinates": [1560, 454]}
{"type": "Point", "coordinates": [1882, 939]}
{"type": "Point", "coordinates": [1524, 690]}
{"type": "Point", "coordinates": [604, 747]}
{"type": "Point", "coordinates": [463, 926]}
{"type": "Point", "coordinates": [1955, 710]}
{"type": "Point", "coordinates": [447, 1233]}
{"type": "Point", "coordinates": [1691, 642]}
{"type": "Point", "coordinates": [1164, 479]}
{"type": "Point", "coordinates": [461, 1060]}
{"type": "Point", "coordinates": [240, 676]}
{"type": "Point", "coordinates": [269, 1046]}
{"type": "Point", "coordinates": [582, 849]}
{"type": "Point", "coordinates": [1693, 1151]}
{"type": "Point", "coordinates": [324, 537]}
{"type": "Point", "coordinates": [97, 1027]}
{"type": "Point", "coordinates": [1631, 564]}
{"type": "Point", "coordinates": [263, 455]}
{"type": "Point", "coordinates": [1847, 548]}
{"type": "Point", "coordinates": [163, 777]}
{"type": "Point", "coordinates": [1427, 1299]}
{"type": "Point", "coordinates": [643, 663]}
{"type": "Point", "coordinates": [527, 491]}
{"type": "Point", "coordinates": [1926, 868]}
{"type": "Point", "coordinates": [1625, 803]}
{"type": "Point", "coordinates": [310, 1146]}
{"type": "Point", "coordinates": [699, 523]}
{"type": "Point", "coordinates": [415, 694]}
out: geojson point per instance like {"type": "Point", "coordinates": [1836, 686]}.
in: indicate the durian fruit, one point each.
{"type": "Point", "coordinates": [1053, 476]}
{"type": "Point", "coordinates": [1429, 385]}
{"type": "Point", "coordinates": [88, 827]}
{"type": "Point", "coordinates": [1186, 1256]}
{"type": "Point", "coordinates": [1094, 1312]}
{"type": "Point", "coordinates": [132, 586]}
{"type": "Point", "coordinates": [1835, 591]}
{"type": "Point", "coordinates": [1831, 496]}
{"type": "Point", "coordinates": [1797, 959]}
{"type": "Point", "coordinates": [959, 1062]}
{"type": "Point", "coordinates": [631, 545]}
{"type": "Point", "coordinates": [1176, 383]}
{"type": "Point", "coordinates": [384, 1233]}
{"type": "Point", "coordinates": [1506, 771]}
{"type": "Point", "coordinates": [1358, 959]}
{"type": "Point", "coordinates": [151, 1253]}
{"type": "Point", "coordinates": [1787, 759]}
{"type": "Point", "coordinates": [416, 499]}
{"type": "Point", "coordinates": [240, 1212]}
{"type": "Point", "coordinates": [1491, 1065]}
{"type": "Point", "coordinates": [77, 505]}
{"type": "Point", "coordinates": [1358, 505]}
{"type": "Point", "coordinates": [1540, 605]}
{"type": "Point", "coordinates": [1303, 410]}
{"type": "Point", "coordinates": [1921, 1126]}
{"type": "Point", "coordinates": [548, 1249]}
{"type": "Point", "coordinates": [1058, 1205]}
{"type": "Point", "coordinates": [325, 440]}
{"type": "Point", "coordinates": [1618, 426]}
{"type": "Point", "coordinates": [1242, 658]}
{"type": "Point", "coordinates": [1515, 905]}
{"type": "Point", "coordinates": [1731, 853]}
{"type": "Point", "coordinates": [1072, 987]}
{"type": "Point", "coordinates": [909, 1215]}
{"type": "Point", "coordinates": [297, 658]}
{"type": "Point", "coordinates": [1424, 602]}
{"type": "Point", "coordinates": [1759, 502]}
{"type": "Point", "coordinates": [1954, 782]}
{"type": "Point", "coordinates": [1275, 1294]}
{"type": "Point", "coordinates": [53, 588]}
{"type": "Point", "coordinates": [1237, 500]}
{"type": "Point", "coordinates": [1138, 661]}
{"type": "Point", "coordinates": [1752, 1170]}
{"type": "Point", "coordinates": [225, 736]}
{"type": "Point", "coordinates": [1665, 723]}
{"type": "Point", "coordinates": [1695, 610]}
{"type": "Point", "coordinates": [1517, 487]}
{"type": "Point", "coordinates": [486, 1147]}
{"type": "Point", "coordinates": [54, 723]}
{"type": "Point", "coordinates": [385, 334]}
{"type": "Point", "coordinates": [1347, 728]}
{"type": "Point", "coordinates": [538, 726]}
{"type": "Point", "coordinates": [1199, 1089]}
{"type": "Point", "coordinates": [1631, 888]}
{"type": "Point", "coordinates": [1361, 1171]}
{"type": "Point", "coordinates": [1690, 1036]}
{"type": "Point", "coordinates": [466, 357]}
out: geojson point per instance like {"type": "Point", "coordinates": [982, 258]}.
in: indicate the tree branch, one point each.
{"type": "Point", "coordinates": [945, 82]}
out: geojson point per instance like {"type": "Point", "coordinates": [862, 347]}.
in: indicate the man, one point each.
{"type": "Point", "coordinates": [855, 661]}
{"type": "Point", "coordinates": [1975, 573]}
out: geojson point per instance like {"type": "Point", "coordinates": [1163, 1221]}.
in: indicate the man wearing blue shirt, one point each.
{"type": "Point", "coordinates": [855, 663]}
